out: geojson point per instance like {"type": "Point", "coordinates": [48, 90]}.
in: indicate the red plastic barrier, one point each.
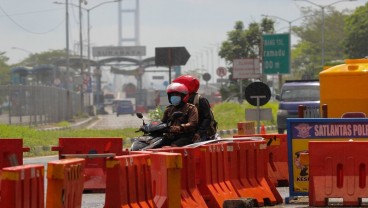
{"type": "Point", "coordinates": [278, 170]}
{"type": "Point", "coordinates": [337, 169]}
{"type": "Point", "coordinates": [22, 186]}
{"type": "Point", "coordinates": [65, 183]}
{"type": "Point", "coordinates": [190, 195]}
{"type": "Point", "coordinates": [128, 181]}
{"type": "Point", "coordinates": [213, 171]}
{"type": "Point", "coordinates": [166, 173]}
{"type": "Point", "coordinates": [95, 169]}
{"type": "Point", "coordinates": [11, 152]}
{"type": "Point", "coordinates": [248, 175]}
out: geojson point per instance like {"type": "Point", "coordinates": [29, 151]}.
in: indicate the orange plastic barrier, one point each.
{"type": "Point", "coordinates": [22, 186]}
{"type": "Point", "coordinates": [95, 169]}
{"type": "Point", "coordinates": [337, 169]}
{"type": "Point", "coordinates": [166, 174]}
{"type": "Point", "coordinates": [248, 175]}
{"type": "Point", "coordinates": [278, 170]}
{"type": "Point", "coordinates": [65, 183]}
{"type": "Point", "coordinates": [11, 152]}
{"type": "Point", "coordinates": [190, 195]}
{"type": "Point", "coordinates": [128, 181]}
{"type": "Point", "coordinates": [213, 171]}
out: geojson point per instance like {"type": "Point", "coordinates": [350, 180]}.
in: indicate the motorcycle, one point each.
{"type": "Point", "coordinates": [154, 133]}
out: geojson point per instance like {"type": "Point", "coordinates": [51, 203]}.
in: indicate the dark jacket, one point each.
{"type": "Point", "coordinates": [190, 119]}
{"type": "Point", "coordinates": [205, 116]}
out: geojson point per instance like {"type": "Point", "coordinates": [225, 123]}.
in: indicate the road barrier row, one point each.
{"type": "Point", "coordinates": [190, 194]}
{"type": "Point", "coordinates": [22, 186]}
{"type": "Point", "coordinates": [336, 173]}
{"type": "Point", "coordinates": [128, 181]}
{"type": "Point", "coordinates": [206, 176]}
{"type": "Point", "coordinates": [277, 166]}
{"type": "Point", "coordinates": [249, 176]}
{"type": "Point", "coordinates": [65, 180]}
{"type": "Point", "coordinates": [11, 151]}
{"type": "Point", "coordinates": [95, 151]}
{"type": "Point", "coordinates": [168, 177]}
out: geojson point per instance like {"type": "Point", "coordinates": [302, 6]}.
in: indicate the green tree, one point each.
{"type": "Point", "coordinates": [242, 43]}
{"type": "Point", "coordinates": [46, 57]}
{"type": "Point", "coordinates": [307, 53]}
{"type": "Point", "coordinates": [4, 69]}
{"type": "Point", "coordinates": [356, 30]}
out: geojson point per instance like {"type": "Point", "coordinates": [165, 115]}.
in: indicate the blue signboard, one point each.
{"type": "Point", "coordinates": [302, 130]}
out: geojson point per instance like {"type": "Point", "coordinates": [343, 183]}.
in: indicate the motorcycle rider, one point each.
{"type": "Point", "coordinates": [207, 125]}
{"type": "Point", "coordinates": [182, 130]}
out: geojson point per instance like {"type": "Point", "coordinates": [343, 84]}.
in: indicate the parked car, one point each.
{"type": "Point", "coordinates": [108, 98]}
{"type": "Point", "coordinates": [293, 94]}
{"type": "Point", "coordinates": [123, 107]}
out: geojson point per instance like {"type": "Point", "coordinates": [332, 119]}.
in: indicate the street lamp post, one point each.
{"type": "Point", "coordinates": [323, 23]}
{"type": "Point", "coordinates": [67, 43]}
{"type": "Point", "coordinates": [80, 33]}
{"type": "Point", "coordinates": [80, 29]}
{"type": "Point", "coordinates": [81, 40]}
{"type": "Point", "coordinates": [89, 30]}
{"type": "Point", "coordinates": [31, 55]}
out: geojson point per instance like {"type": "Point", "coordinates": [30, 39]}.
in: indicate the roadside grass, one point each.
{"type": "Point", "coordinates": [228, 115]}
{"type": "Point", "coordinates": [40, 142]}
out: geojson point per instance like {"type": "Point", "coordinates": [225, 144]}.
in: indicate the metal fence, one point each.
{"type": "Point", "coordinates": [34, 105]}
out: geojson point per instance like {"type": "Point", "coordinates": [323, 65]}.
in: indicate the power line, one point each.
{"type": "Point", "coordinates": [31, 12]}
{"type": "Point", "coordinates": [26, 29]}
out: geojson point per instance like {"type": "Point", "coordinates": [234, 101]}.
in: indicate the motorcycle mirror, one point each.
{"type": "Point", "coordinates": [139, 115]}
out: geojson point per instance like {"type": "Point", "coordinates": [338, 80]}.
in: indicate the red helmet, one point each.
{"type": "Point", "coordinates": [178, 88]}
{"type": "Point", "coordinates": [190, 81]}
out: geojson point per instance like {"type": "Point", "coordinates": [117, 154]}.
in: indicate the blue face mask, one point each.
{"type": "Point", "coordinates": [175, 100]}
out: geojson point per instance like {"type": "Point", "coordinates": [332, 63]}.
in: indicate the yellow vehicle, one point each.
{"type": "Point", "coordinates": [344, 88]}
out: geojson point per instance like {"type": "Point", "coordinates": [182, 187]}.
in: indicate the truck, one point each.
{"type": "Point", "coordinates": [295, 93]}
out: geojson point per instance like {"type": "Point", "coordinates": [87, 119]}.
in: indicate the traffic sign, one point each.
{"type": "Point", "coordinates": [246, 68]}
{"type": "Point", "coordinates": [206, 77]}
{"type": "Point", "coordinates": [276, 53]}
{"type": "Point", "coordinates": [165, 83]}
{"type": "Point", "coordinates": [119, 51]}
{"type": "Point", "coordinates": [255, 91]}
{"type": "Point", "coordinates": [171, 56]}
{"type": "Point", "coordinates": [221, 71]}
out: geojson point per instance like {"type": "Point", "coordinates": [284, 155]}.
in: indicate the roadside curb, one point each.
{"type": "Point", "coordinates": [72, 126]}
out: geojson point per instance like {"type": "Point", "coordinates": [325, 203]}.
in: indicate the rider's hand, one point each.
{"type": "Point", "coordinates": [175, 129]}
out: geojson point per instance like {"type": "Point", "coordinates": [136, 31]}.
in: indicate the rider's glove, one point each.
{"type": "Point", "coordinates": [175, 129]}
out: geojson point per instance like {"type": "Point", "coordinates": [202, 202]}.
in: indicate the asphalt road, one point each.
{"type": "Point", "coordinates": [111, 121]}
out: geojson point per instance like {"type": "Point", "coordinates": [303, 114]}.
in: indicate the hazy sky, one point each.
{"type": "Point", "coordinates": [199, 25]}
